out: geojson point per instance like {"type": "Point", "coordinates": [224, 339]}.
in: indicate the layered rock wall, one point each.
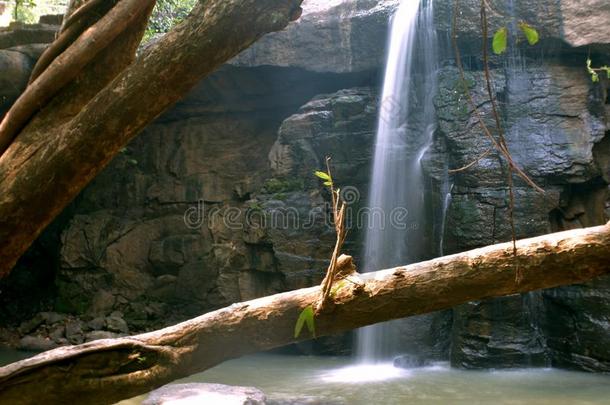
{"type": "Point", "coordinates": [216, 202]}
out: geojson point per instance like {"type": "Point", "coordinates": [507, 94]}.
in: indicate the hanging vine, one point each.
{"type": "Point", "coordinates": [499, 45]}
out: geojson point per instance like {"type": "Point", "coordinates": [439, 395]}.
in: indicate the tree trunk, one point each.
{"type": "Point", "coordinates": [106, 371]}
{"type": "Point", "coordinates": [67, 143]}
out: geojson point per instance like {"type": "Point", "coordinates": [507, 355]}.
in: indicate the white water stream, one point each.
{"type": "Point", "coordinates": [404, 133]}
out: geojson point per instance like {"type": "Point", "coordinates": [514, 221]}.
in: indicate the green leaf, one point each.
{"type": "Point", "coordinates": [305, 318]}
{"type": "Point", "coordinates": [500, 40]}
{"type": "Point", "coordinates": [328, 183]}
{"type": "Point", "coordinates": [594, 77]}
{"type": "Point", "coordinates": [530, 33]}
{"type": "Point", "coordinates": [323, 176]}
{"type": "Point", "coordinates": [309, 320]}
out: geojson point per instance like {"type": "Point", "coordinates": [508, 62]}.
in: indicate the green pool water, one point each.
{"type": "Point", "coordinates": [328, 380]}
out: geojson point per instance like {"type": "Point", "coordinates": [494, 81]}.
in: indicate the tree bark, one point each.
{"type": "Point", "coordinates": [69, 65]}
{"type": "Point", "coordinates": [48, 164]}
{"type": "Point", "coordinates": [106, 371]}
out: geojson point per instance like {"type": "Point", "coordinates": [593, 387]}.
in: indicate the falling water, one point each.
{"type": "Point", "coordinates": [446, 189]}
{"type": "Point", "coordinates": [404, 133]}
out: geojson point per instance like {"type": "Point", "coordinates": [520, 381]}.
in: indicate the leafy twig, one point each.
{"type": "Point", "coordinates": [339, 219]}
{"type": "Point", "coordinates": [307, 316]}
{"type": "Point", "coordinates": [594, 72]}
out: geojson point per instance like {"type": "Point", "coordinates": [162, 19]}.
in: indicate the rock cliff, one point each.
{"type": "Point", "coordinates": [216, 203]}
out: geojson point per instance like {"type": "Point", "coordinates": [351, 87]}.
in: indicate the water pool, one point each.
{"type": "Point", "coordinates": [332, 380]}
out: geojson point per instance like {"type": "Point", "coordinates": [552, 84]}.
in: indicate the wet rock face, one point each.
{"type": "Point", "coordinates": [553, 120]}
{"type": "Point", "coordinates": [191, 217]}
{"type": "Point", "coordinates": [582, 23]}
{"type": "Point", "coordinates": [504, 332]}
{"type": "Point", "coordinates": [554, 123]}
{"type": "Point", "coordinates": [577, 321]}
{"type": "Point", "coordinates": [216, 201]}
{"type": "Point", "coordinates": [342, 123]}
{"type": "Point", "coordinates": [555, 126]}
{"type": "Point", "coordinates": [357, 27]}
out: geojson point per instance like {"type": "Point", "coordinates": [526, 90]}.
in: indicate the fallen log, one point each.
{"type": "Point", "coordinates": [106, 371]}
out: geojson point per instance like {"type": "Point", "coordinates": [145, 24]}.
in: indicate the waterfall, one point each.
{"type": "Point", "coordinates": [405, 131]}
{"type": "Point", "coordinates": [446, 189]}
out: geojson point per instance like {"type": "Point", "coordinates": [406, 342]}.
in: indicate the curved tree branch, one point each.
{"type": "Point", "coordinates": [69, 65]}
{"type": "Point", "coordinates": [70, 33]}
{"type": "Point", "coordinates": [83, 11]}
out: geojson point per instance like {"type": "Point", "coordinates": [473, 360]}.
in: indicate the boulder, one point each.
{"type": "Point", "coordinates": [74, 332]}
{"type": "Point", "coordinates": [117, 324]}
{"type": "Point", "coordinates": [57, 333]}
{"type": "Point", "coordinates": [51, 318]}
{"type": "Point", "coordinates": [100, 334]}
{"type": "Point", "coordinates": [555, 128]}
{"type": "Point", "coordinates": [205, 393]}
{"type": "Point", "coordinates": [585, 22]}
{"type": "Point", "coordinates": [51, 19]}
{"type": "Point", "coordinates": [552, 123]}
{"type": "Point", "coordinates": [96, 323]}
{"type": "Point", "coordinates": [15, 70]}
{"type": "Point", "coordinates": [31, 325]}
{"type": "Point", "coordinates": [341, 125]}
{"type": "Point", "coordinates": [36, 344]}
{"type": "Point", "coordinates": [32, 51]}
